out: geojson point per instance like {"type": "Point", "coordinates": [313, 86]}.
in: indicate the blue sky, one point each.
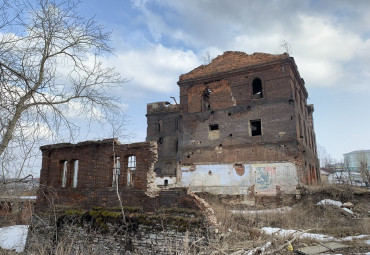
{"type": "Point", "coordinates": [156, 41]}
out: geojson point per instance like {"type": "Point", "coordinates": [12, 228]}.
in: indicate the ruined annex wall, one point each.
{"type": "Point", "coordinates": [144, 234]}
{"type": "Point", "coordinates": [107, 197]}
{"type": "Point", "coordinates": [95, 163]}
{"type": "Point", "coordinates": [163, 126]}
{"type": "Point", "coordinates": [94, 183]}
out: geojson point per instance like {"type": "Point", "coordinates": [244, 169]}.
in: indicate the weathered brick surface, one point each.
{"type": "Point", "coordinates": [95, 159]}
{"type": "Point", "coordinates": [163, 125]}
{"type": "Point", "coordinates": [221, 94]}
{"type": "Point", "coordinates": [95, 173]}
{"type": "Point", "coordinates": [232, 60]}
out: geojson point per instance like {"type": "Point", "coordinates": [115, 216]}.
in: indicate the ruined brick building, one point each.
{"type": "Point", "coordinates": [242, 127]}
{"type": "Point", "coordinates": [86, 174]}
{"type": "Point", "coordinates": [242, 124]}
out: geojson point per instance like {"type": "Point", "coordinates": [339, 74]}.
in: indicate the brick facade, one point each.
{"type": "Point", "coordinates": [242, 109]}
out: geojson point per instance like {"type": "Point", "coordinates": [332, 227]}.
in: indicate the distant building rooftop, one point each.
{"type": "Point", "coordinates": [357, 152]}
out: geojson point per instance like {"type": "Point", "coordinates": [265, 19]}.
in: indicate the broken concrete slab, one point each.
{"type": "Point", "coordinates": [321, 247]}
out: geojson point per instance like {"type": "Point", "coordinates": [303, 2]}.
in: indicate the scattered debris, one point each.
{"type": "Point", "coordinates": [347, 210]}
{"type": "Point", "coordinates": [330, 202]}
{"type": "Point", "coordinates": [348, 205]}
{"type": "Point", "coordinates": [276, 210]}
{"type": "Point", "coordinates": [320, 248]}
{"type": "Point", "coordinates": [345, 207]}
{"type": "Point", "coordinates": [302, 234]}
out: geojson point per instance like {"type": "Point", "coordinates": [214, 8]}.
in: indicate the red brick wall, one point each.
{"type": "Point", "coordinates": [283, 112]}
{"type": "Point", "coordinates": [95, 170]}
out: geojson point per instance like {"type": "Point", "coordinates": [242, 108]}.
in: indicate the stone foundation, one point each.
{"type": "Point", "coordinates": [101, 231]}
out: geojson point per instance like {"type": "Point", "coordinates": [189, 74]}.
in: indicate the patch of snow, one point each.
{"type": "Point", "coordinates": [13, 237]}
{"type": "Point", "coordinates": [319, 237]}
{"type": "Point", "coordinates": [279, 210]}
{"type": "Point", "coordinates": [350, 238]}
{"type": "Point", "coordinates": [287, 232]}
{"type": "Point", "coordinates": [329, 202]}
{"type": "Point", "coordinates": [28, 197]}
{"type": "Point", "coordinates": [347, 210]}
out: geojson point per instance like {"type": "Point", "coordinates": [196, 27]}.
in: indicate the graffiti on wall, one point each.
{"type": "Point", "coordinates": [229, 179]}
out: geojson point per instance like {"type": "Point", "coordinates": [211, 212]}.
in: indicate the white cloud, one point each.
{"type": "Point", "coordinates": [329, 39]}
{"type": "Point", "coordinates": [155, 68]}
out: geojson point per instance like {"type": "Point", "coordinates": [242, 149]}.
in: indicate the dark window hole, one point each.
{"type": "Point", "coordinates": [213, 127]}
{"type": "Point", "coordinates": [256, 127]}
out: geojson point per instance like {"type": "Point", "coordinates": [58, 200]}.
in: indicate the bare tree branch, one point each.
{"type": "Point", "coordinates": [50, 58]}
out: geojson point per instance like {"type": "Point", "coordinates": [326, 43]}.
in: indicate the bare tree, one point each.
{"type": "Point", "coordinates": [363, 166]}
{"type": "Point", "coordinates": [117, 126]}
{"type": "Point", "coordinates": [206, 58]}
{"type": "Point", "coordinates": [345, 166]}
{"type": "Point", "coordinates": [50, 69]}
{"type": "Point", "coordinates": [286, 46]}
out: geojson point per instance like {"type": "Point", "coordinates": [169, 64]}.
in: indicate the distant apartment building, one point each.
{"type": "Point", "coordinates": [353, 160]}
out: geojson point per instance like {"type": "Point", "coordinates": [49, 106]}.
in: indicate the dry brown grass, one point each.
{"type": "Point", "coordinates": [241, 231]}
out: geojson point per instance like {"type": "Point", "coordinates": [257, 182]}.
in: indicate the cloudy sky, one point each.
{"type": "Point", "coordinates": [156, 41]}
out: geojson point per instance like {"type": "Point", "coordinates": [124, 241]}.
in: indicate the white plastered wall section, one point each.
{"type": "Point", "coordinates": [225, 179]}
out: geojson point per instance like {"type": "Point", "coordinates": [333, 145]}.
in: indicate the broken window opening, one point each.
{"type": "Point", "coordinates": [63, 164]}
{"type": "Point", "coordinates": [166, 183]}
{"type": "Point", "coordinates": [160, 140]}
{"type": "Point", "coordinates": [131, 167]}
{"type": "Point", "coordinates": [116, 171]}
{"type": "Point", "coordinates": [157, 170]}
{"type": "Point", "coordinates": [256, 129]}
{"type": "Point", "coordinates": [159, 126]}
{"type": "Point", "coordinates": [257, 88]}
{"type": "Point", "coordinates": [213, 127]}
{"type": "Point", "coordinates": [205, 100]}
{"type": "Point", "coordinates": [75, 173]}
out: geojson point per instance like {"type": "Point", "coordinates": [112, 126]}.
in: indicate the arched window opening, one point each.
{"type": "Point", "coordinates": [63, 165]}
{"type": "Point", "coordinates": [159, 126]}
{"type": "Point", "coordinates": [257, 88]}
{"type": "Point", "coordinates": [75, 173]}
{"type": "Point", "coordinates": [131, 167]}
